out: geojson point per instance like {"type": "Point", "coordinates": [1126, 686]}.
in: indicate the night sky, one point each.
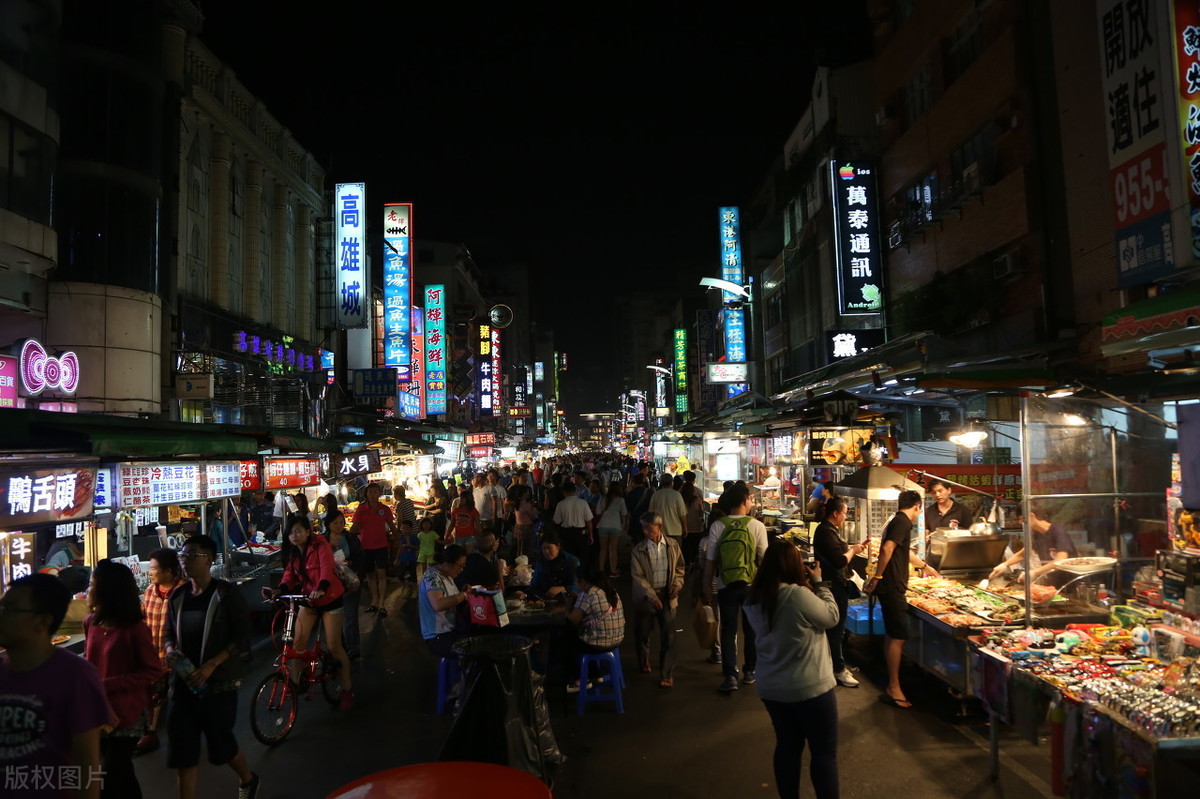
{"type": "Point", "coordinates": [592, 143]}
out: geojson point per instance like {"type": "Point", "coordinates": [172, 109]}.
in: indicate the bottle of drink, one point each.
{"type": "Point", "coordinates": [184, 667]}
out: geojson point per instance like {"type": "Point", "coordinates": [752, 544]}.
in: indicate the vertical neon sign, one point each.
{"type": "Point", "coordinates": [731, 270]}
{"type": "Point", "coordinates": [435, 349]}
{"type": "Point", "coordinates": [397, 293]}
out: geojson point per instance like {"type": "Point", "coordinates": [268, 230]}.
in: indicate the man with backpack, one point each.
{"type": "Point", "coordinates": [736, 544]}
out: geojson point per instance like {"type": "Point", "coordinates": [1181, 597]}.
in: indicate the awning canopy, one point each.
{"type": "Point", "coordinates": [132, 443]}
{"type": "Point", "coordinates": [877, 482]}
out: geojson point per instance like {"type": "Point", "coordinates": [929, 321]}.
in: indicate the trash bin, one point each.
{"type": "Point", "coordinates": [503, 718]}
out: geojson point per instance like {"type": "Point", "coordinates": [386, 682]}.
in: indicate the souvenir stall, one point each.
{"type": "Point", "coordinates": [46, 506]}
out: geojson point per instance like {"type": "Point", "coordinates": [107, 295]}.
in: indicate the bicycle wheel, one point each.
{"type": "Point", "coordinates": [273, 712]}
{"type": "Point", "coordinates": [330, 677]}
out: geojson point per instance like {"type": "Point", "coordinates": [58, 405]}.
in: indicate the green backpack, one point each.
{"type": "Point", "coordinates": [736, 552]}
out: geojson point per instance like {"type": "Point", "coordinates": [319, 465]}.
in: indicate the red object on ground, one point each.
{"type": "Point", "coordinates": [451, 780]}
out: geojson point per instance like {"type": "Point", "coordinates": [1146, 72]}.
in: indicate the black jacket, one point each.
{"type": "Point", "coordinates": [227, 627]}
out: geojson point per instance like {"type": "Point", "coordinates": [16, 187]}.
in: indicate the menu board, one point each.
{"type": "Point", "coordinates": [145, 484]}
{"type": "Point", "coordinates": [222, 479]}
{"type": "Point", "coordinates": [291, 472]}
{"type": "Point", "coordinates": [251, 475]}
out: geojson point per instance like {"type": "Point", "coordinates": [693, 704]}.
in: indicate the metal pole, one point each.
{"type": "Point", "coordinates": [1115, 540]}
{"type": "Point", "coordinates": [1026, 472]}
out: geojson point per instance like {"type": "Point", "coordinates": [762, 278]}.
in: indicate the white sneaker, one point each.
{"type": "Point", "coordinates": [844, 677]}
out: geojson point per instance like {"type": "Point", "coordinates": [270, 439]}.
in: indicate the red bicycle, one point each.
{"type": "Point", "coordinates": [276, 700]}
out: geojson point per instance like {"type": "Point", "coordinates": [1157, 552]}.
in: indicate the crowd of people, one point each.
{"type": "Point", "coordinates": [557, 530]}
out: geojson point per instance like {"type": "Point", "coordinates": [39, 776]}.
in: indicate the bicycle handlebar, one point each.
{"type": "Point", "coordinates": [287, 598]}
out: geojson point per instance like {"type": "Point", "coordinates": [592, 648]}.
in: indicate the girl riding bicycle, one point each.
{"type": "Point", "coordinates": [310, 570]}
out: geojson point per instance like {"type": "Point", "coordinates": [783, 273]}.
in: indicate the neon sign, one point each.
{"type": "Point", "coordinates": [40, 370]}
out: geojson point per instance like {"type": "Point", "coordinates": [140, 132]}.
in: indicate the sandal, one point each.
{"type": "Point", "coordinates": [666, 682]}
{"type": "Point", "coordinates": [381, 612]}
{"type": "Point", "coordinates": [646, 668]}
{"type": "Point", "coordinates": [901, 704]}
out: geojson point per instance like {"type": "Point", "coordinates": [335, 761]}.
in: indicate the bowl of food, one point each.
{"type": "Point", "coordinates": [1085, 565]}
{"type": "Point", "coordinates": [515, 603]}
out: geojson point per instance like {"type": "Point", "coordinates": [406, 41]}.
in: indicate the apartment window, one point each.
{"type": "Point", "coordinates": [970, 164]}
{"type": "Point", "coordinates": [921, 197]}
{"type": "Point", "coordinates": [961, 48]}
{"type": "Point", "coordinates": [775, 310]}
{"type": "Point", "coordinates": [918, 94]}
{"type": "Point", "coordinates": [27, 160]}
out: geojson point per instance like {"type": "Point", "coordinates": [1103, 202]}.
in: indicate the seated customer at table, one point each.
{"type": "Point", "coordinates": [437, 599]}
{"type": "Point", "coordinates": [556, 571]}
{"type": "Point", "coordinates": [483, 566]}
{"type": "Point", "coordinates": [600, 621]}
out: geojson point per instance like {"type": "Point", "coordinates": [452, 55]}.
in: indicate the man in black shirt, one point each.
{"type": "Point", "coordinates": [483, 567]}
{"type": "Point", "coordinates": [889, 584]}
{"type": "Point", "coordinates": [945, 510]}
{"type": "Point", "coordinates": [262, 515]}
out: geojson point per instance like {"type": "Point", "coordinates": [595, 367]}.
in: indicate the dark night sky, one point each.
{"type": "Point", "coordinates": [595, 141]}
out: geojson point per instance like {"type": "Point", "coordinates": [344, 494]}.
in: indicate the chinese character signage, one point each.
{"type": "Point", "coordinates": [681, 384]}
{"type": "Point", "coordinates": [291, 472]}
{"type": "Point", "coordinates": [856, 237]}
{"type": "Point", "coordinates": [353, 464]}
{"type": "Point", "coordinates": [705, 328]}
{"type": "Point", "coordinates": [519, 412]}
{"type": "Point", "coordinates": [397, 294]}
{"type": "Point", "coordinates": [1132, 79]}
{"type": "Point", "coordinates": [486, 386]}
{"type": "Point", "coordinates": [281, 355]}
{"type": "Point", "coordinates": [848, 343]}
{"type": "Point", "coordinates": [435, 349]}
{"type": "Point", "coordinates": [19, 553]}
{"type": "Point", "coordinates": [497, 373]}
{"type": "Point", "coordinates": [222, 479]}
{"type": "Point", "coordinates": [142, 485]}
{"type": "Point", "coordinates": [373, 383]}
{"type": "Point", "coordinates": [8, 381]}
{"type": "Point", "coordinates": [349, 253]}
{"type": "Point", "coordinates": [45, 495]}
{"type": "Point", "coordinates": [1186, 49]}
{"type": "Point", "coordinates": [103, 495]}
{"type": "Point", "coordinates": [250, 473]}
{"type": "Point", "coordinates": [410, 397]}
{"type": "Point", "coordinates": [479, 439]}
{"type": "Point", "coordinates": [731, 270]}
{"type": "Point", "coordinates": [539, 371]}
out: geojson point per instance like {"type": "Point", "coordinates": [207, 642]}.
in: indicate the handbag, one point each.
{"type": "Point", "coordinates": [487, 608]}
{"type": "Point", "coordinates": [854, 586]}
{"type": "Point", "coordinates": [704, 624]}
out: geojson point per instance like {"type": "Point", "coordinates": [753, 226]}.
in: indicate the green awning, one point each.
{"type": "Point", "coordinates": [128, 443]}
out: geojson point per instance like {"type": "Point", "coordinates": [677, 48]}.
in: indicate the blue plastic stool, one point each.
{"type": "Point", "coordinates": [608, 691]}
{"type": "Point", "coordinates": [448, 674]}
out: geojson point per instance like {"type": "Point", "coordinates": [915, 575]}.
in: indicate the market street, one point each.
{"type": "Point", "coordinates": [688, 741]}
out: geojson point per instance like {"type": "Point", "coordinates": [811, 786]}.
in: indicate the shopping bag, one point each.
{"type": "Point", "coordinates": [487, 608]}
{"type": "Point", "coordinates": [704, 622]}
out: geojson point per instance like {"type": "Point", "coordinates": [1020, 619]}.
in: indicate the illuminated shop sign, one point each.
{"type": "Point", "coordinates": [486, 389]}
{"type": "Point", "coordinates": [1186, 49]}
{"type": "Point", "coordinates": [435, 349]}
{"type": "Point", "coordinates": [451, 450]}
{"type": "Point", "coordinates": [681, 385]}
{"type": "Point", "coordinates": [353, 281]}
{"type": "Point", "coordinates": [397, 290]}
{"type": "Point", "coordinates": [539, 371]}
{"type": "Point", "coordinates": [279, 354]}
{"type": "Point", "coordinates": [856, 238]}
{"type": "Point", "coordinates": [38, 496]}
{"type": "Point", "coordinates": [328, 363]}
{"type": "Point", "coordinates": [354, 464]}
{"type": "Point", "coordinates": [848, 343]}
{"type": "Point", "coordinates": [411, 394]}
{"type": "Point", "coordinates": [142, 485]}
{"type": "Point", "coordinates": [373, 383]}
{"type": "Point", "coordinates": [726, 373]}
{"type": "Point", "coordinates": [41, 371]}
{"type": "Point", "coordinates": [497, 374]}
{"type": "Point", "coordinates": [250, 473]}
{"type": "Point", "coordinates": [222, 479]}
{"type": "Point", "coordinates": [731, 270]}
{"type": "Point", "coordinates": [8, 381]}
{"type": "Point", "coordinates": [519, 412]}
{"type": "Point", "coordinates": [291, 472]}
{"type": "Point", "coordinates": [18, 554]}
{"type": "Point", "coordinates": [480, 439]}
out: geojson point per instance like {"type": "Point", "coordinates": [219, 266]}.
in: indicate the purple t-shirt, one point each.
{"type": "Point", "coordinates": [39, 712]}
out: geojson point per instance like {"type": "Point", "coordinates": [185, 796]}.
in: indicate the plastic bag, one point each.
{"type": "Point", "coordinates": [704, 623]}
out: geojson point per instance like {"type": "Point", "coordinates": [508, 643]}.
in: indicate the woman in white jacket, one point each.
{"type": "Point", "coordinates": [790, 609]}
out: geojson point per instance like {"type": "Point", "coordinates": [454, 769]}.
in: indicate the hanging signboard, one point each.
{"type": "Point", "coordinates": [103, 495]}
{"type": "Point", "coordinates": [353, 282]}
{"type": "Point", "coordinates": [353, 464]}
{"type": "Point", "coordinates": [141, 485]}
{"type": "Point", "coordinates": [435, 349]}
{"type": "Point", "coordinates": [369, 384]}
{"type": "Point", "coordinates": [412, 394]}
{"type": "Point", "coordinates": [848, 343]}
{"type": "Point", "coordinates": [476, 439]}
{"type": "Point", "coordinates": [251, 475]}
{"type": "Point", "coordinates": [856, 238]}
{"type": "Point", "coordinates": [451, 450]}
{"type": "Point", "coordinates": [18, 553]}
{"type": "Point", "coordinates": [731, 270]}
{"type": "Point", "coordinates": [681, 366]}
{"type": "Point", "coordinates": [486, 379]}
{"type": "Point", "coordinates": [397, 288]}
{"type": "Point", "coordinates": [8, 381]}
{"type": "Point", "coordinates": [291, 472]}
{"type": "Point", "coordinates": [726, 372]}
{"type": "Point", "coordinates": [36, 496]}
{"type": "Point", "coordinates": [222, 479]}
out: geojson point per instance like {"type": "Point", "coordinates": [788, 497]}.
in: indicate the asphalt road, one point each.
{"type": "Point", "coordinates": [688, 741]}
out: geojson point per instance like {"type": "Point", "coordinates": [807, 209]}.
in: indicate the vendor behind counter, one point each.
{"type": "Point", "coordinates": [1050, 543]}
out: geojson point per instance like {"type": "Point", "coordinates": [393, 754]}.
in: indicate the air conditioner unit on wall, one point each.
{"type": "Point", "coordinates": [970, 178]}
{"type": "Point", "coordinates": [1007, 265]}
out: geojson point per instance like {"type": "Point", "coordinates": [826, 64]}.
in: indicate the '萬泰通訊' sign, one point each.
{"type": "Point", "coordinates": [353, 289]}
{"type": "Point", "coordinates": [856, 237]}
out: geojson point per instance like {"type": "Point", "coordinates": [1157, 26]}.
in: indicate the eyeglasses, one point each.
{"type": "Point", "coordinates": [193, 555]}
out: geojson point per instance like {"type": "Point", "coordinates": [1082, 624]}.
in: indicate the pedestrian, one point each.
{"type": "Point", "coordinates": [465, 521]}
{"type": "Point", "coordinates": [574, 519]}
{"type": "Point", "coordinates": [437, 505]}
{"type": "Point", "coordinates": [656, 564]}
{"type": "Point", "coordinates": [52, 703]}
{"type": "Point", "coordinates": [344, 558]}
{"type": "Point", "coordinates": [119, 645]}
{"type": "Point", "coordinates": [406, 561]}
{"type": "Point", "coordinates": [693, 529]}
{"type": "Point", "coordinates": [427, 540]}
{"type": "Point", "coordinates": [525, 515]}
{"type": "Point", "coordinates": [736, 544]}
{"type": "Point", "coordinates": [208, 627]}
{"type": "Point", "coordinates": [889, 586]}
{"type": "Point", "coordinates": [790, 609]}
{"type": "Point", "coordinates": [165, 577]}
{"type": "Point", "coordinates": [612, 517]}
{"type": "Point", "coordinates": [834, 555]}
{"type": "Point", "coordinates": [375, 524]}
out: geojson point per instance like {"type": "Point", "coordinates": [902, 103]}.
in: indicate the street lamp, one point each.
{"type": "Point", "coordinates": [725, 285]}
{"type": "Point", "coordinates": [662, 369]}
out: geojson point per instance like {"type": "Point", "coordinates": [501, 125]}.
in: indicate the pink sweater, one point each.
{"type": "Point", "coordinates": [128, 664]}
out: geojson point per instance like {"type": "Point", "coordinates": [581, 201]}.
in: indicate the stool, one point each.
{"type": "Point", "coordinates": [608, 691]}
{"type": "Point", "coordinates": [448, 675]}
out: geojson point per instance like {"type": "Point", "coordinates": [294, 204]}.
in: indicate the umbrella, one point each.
{"type": "Point", "coordinates": [877, 482]}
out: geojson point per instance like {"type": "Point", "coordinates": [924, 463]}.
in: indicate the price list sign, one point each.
{"type": "Point", "coordinates": [291, 472]}
{"type": "Point", "coordinates": [251, 472]}
{"type": "Point", "coordinates": [222, 479]}
{"type": "Point", "coordinates": [141, 485]}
